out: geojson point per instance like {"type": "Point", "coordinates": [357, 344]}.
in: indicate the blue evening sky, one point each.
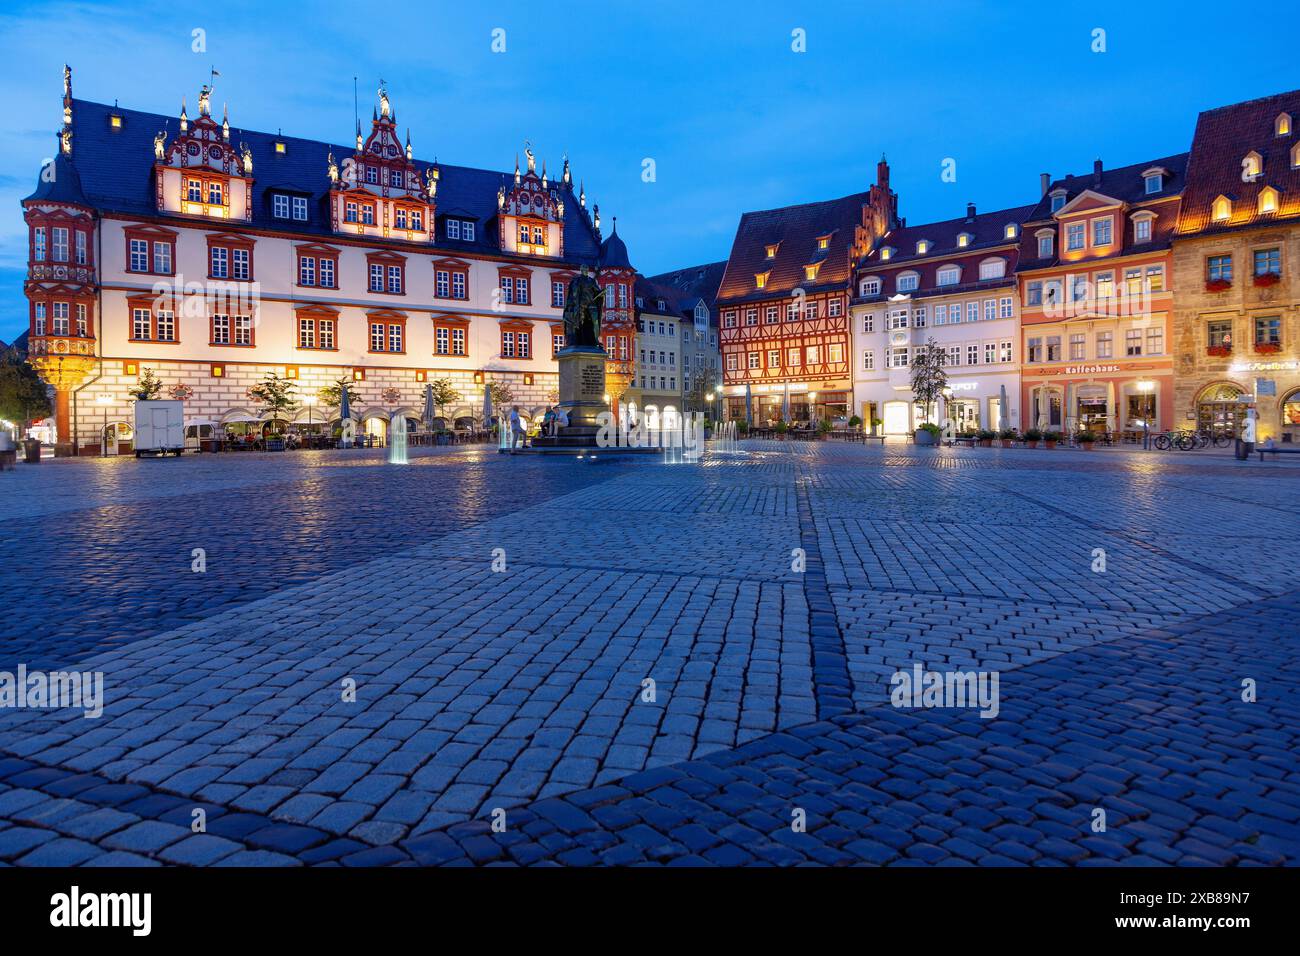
{"type": "Point", "coordinates": [711, 91]}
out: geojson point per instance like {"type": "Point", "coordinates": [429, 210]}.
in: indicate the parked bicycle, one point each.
{"type": "Point", "coordinates": [1174, 438]}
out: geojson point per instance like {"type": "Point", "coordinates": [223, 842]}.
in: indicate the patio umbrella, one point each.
{"type": "Point", "coordinates": [487, 407]}
{"type": "Point", "coordinates": [428, 406]}
{"type": "Point", "coordinates": [749, 405]}
{"type": "Point", "coordinates": [785, 404]}
{"type": "Point", "coordinates": [345, 415]}
{"type": "Point", "coordinates": [1002, 408]}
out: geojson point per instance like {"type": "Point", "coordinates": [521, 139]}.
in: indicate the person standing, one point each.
{"type": "Point", "coordinates": [516, 427]}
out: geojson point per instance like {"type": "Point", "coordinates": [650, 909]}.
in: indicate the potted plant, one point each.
{"type": "Point", "coordinates": [1222, 351]}
{"type": "Point", "coordinates": [1265, 279]}
{"type": "Point", "coordinates": [1084, 439]}
{"type": "Point", "coordinates": [1032, 437]}
{"type": "Point", "coordinates": [781, 429]}
{"type": "Point", "coordinates": [855, 422]}
{"type": "Point", "coordinates": [1050, 439]}
{"type": "Point", "coordinates": [875, 424]}
{"type": "Point", "coordinates": [927, 434]}
{"type": "Point", "coordinates": [1008, 435]}
{"type": "Point", "coordinates": [985, 437]}
{"type": "Point", "coordinates": [1218, 285]}
{"type": "Point", "coordinates": [929, 380]}
{"type": "Point", "coordinates": [1267, 348]}
{"type": "Point", "coordinates": [742, 427]}
{"type": "Point", "coordinates": [824, 427]}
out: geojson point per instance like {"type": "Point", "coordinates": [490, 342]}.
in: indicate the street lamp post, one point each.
{"type": "Point", "coordinates": [103, 400]}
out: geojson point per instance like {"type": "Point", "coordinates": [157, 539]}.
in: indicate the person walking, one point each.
{"type": "Point", "coordinates": [516, 428]}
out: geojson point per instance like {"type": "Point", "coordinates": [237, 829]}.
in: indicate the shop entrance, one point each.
{"type": "Point", "coordinates": [965, 415]}
{"type": "Point", "coordinates": [1220, 410]}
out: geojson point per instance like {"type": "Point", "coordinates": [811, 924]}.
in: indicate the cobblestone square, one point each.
{"type": "Point", "coordinates": [674, 663]}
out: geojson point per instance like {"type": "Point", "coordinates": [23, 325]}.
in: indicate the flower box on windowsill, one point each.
{"type": "Point", "coordinates": [1222, 351]}
{"type": "Point", "coordinates": [1267, 348]}
{"type": "Point", "coordinates": [1218, 285]}
{"type": "Point", "coordinates": [1267, 279]}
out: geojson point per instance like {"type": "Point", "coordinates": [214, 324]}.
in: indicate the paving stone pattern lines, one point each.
{"type": "Point", "coordinates": [1212, 572]}
{"type": "Point", "coordinates": [889, 787]}
{"type": "Point", "coordinates": [126, 567]}
{"type": "Point", "coordinates": [833, 686]}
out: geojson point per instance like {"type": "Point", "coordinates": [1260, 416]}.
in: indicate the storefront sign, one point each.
{"type": "Point", "coordinates": [1265, 386]}
{"type": "Point", "coordinates": [1286, 366]}
{"type": "Point", "coordinates": [1090, 369]}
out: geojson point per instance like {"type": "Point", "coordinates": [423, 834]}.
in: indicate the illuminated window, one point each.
{"type": "Point", "coordinates": [1267, 200]}
{"type": "Point", "coordinates": [760, 280]}
{"type": "Point", "coordinates": [1222, 209]}
{"type": "Point", "coordinates": [1251, 166]}
{"type": "Point", "coordinates": [1282, 125]}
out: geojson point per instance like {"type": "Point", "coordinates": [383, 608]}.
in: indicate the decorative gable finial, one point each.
{"type": "Point", "coordinates": [185, 120]}
{"type": "Point", "coordinates": [566, 176]}
{"type": "Point", "coordinates": [516, 169]}
{"type": "Point", "coordinates": [67, 95]}
{"type": "Point", "coordinates": [358, 136]}
{"type": "Point", "coordinates": [204, 94]}
{"type": "Point", "coordinates": [582, 196]}
{"type": "Point", "coordinates": [225, 122]}
{"type": "Point", "coordinates": [384, 107]}
{"type": "Point", "coordinates": [543, 174]}
{"type": "Point", "coordinates": [532, 160]}
{"type": "Point", "coordinates": [65, 141]}
{"type": "Point", "coordinates": [596, 217]}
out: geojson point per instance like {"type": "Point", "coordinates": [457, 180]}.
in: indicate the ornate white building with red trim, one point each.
{"type": "Point", "coordinates": [216, 256]}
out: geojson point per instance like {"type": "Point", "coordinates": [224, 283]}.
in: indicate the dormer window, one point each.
{"type": "Point", "coordinates": [1011, 231]}
{"type": "Point", "coordinates": [1251, 167]}
{"type": "Point", "coordinates": [922, 246]}
{"type": "Point", "coordinates": [1058, 200]}
{"type": "Point", "coordinates": [1295, 156]}
{"type": "Point", "coordinates": [1221, 210]}
{"type": "Point", "coordinates": [771, 250]}
{"type": "Point", "coordinates": [993, 268]}
{"type": "Point", "coordinates": [1154, 182]}
{"type": "Point", "coordinates": [1142, 226]}
{"type": "Point", "coordinates": [869, 287]}
{"type": "Point", "coordinates": [760, 280]}
{"type": "Point", "coordinates": [1267, 201]}
{"type": "Point", "coordinates": [887, 253]}
{"type": "Point", "coordinates": [949, 275]}
{"type": "Point", "coordinates": [964, 239]}
{"type": "Point", "coordinates": [1282, 125]}
{"type": "Point", "coordinates": [279, 148]}
{"type": "Point", "coordinates": [823, 242]}
{"type": "Point", "coordinates": [115, 122]}
{"type": "Point", "coordinates": [810, 272]}
{"type": "Point", "coordinates": [1046, 242]}
{"type": "Point", "coordinates": [908, 282]}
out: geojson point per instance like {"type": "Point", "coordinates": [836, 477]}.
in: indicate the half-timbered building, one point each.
{"type": "Point", "coordinates": [783, 303]}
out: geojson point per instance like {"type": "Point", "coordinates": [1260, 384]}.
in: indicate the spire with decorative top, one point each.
{"type": "Point", "coordinates": [359, 140]}
{"type": "Point", "coordinates": [225, 122]}
{"type": "Point", "coordinates": [566, 176]}
{"type": "Point", "coordinates": [517, 169]}
{"type": "Point", "coordinates": [67, 95]}
{"type": "Point", "coordinates": [544, 184]}
{"type": "Point", "coordinates": [408, 142]}
{"type": "Point", "coordinates": [185, 120]}
{"type": "Point", "coordinates": [582, 196]}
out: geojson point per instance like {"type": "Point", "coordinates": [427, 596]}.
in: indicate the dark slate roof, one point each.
{"type": "Point", "coordinates": [613, 252]}
{"type": "Point", "coordinates": [63, 186]}
{"type": "Point", "coordinates": [693, 284]}
{"type": "Point", "coordinates": [1124, 183]}
{"type": "Point", "coordinates": [796, 230]}
{"type": "Point", "coordinates": [649, 292]}
{"type": "Point", "coordinates": [116, 176]}
{"type": "Point", "coordinates": [986, 229]}
{"type": "Point", "coordinates": [1223, 138]}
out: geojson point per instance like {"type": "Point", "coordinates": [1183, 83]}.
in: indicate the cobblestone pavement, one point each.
{"type": "Point", "coordinates": [522, 695]}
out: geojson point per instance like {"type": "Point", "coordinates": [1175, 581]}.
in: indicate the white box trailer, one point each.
{"type": "Point", "coordinates": [159, 427]}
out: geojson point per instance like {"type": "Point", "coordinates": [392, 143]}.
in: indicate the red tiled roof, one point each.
{"type": "Point", "coordinates": [795, 231]}
{"type": "Point", "coordinates": [1223, 138]}
{"type": "Point", "coordinates": [985, 228]}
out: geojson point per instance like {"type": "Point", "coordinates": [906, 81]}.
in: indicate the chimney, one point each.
{"type": "Point", "coordinates": [970, 212]}
{"type": "Point", "coordinates": [1044, 180]}
{"type": "Point", "coordinates": [1096, 172]}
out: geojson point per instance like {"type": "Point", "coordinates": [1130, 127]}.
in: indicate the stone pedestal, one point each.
{"type": "Point", "coordinates": [582, 396]}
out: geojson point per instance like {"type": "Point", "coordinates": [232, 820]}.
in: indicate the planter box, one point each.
{"type": "Point", "coordinates": [1049, 445]}
{"type": "Point", "coordinates": [1006, 442]}
{"type": "Point", "coordinates": [1031, 444]}
{"type": "Point", "coordinates": [923, 437]}
{"type": "Point", "coordinates": [1086, 445]}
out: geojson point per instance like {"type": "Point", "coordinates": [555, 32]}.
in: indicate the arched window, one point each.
{"type": "Point", "coordinates": [1282, 125]}
{"type": "Point", "coordinates": [1252, 165]}
{"type": "Point", "coordinates": [994, 268]}
{"type": "Point", "coordinates": [1221, 209]}
{"type": "Point", "coordinates": [907, 281]}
